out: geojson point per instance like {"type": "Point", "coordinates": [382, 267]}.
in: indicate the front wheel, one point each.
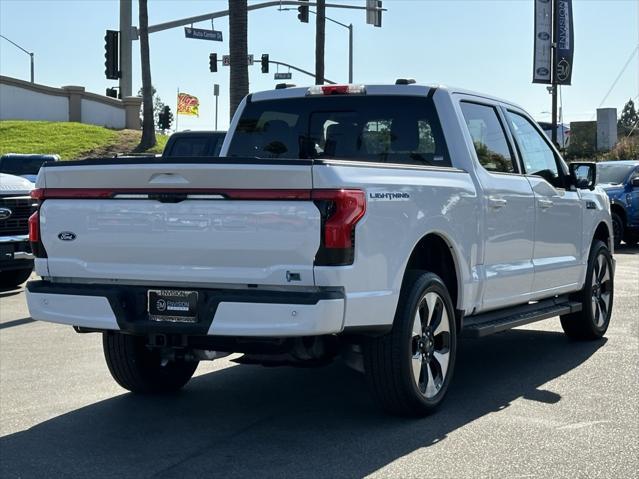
{"type": "Point", "coordinates": [595, 297]}
{"type": "Point", "coordinates": [409, 369]}
{"type": "Point", "coordinates": [140, 369]}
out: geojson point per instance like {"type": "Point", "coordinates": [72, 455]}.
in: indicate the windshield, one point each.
{"type": "Point", "coordinates": [365, 128]}
{"type": "Point", "coordinates": [613, 174]}
{"type": "Point", "coordinates": [21, 166]}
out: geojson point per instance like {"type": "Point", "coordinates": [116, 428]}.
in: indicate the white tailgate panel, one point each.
{"type": "Point", "coordinates": [194, 241]}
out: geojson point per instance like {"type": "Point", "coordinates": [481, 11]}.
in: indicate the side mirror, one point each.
{"type": "Point", "coordinates": [635, 181]}
{"type": "Point", "coordinates": [583, 175]}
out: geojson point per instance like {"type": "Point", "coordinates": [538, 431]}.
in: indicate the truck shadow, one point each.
{"type": "Point", "coordinates": [623, 248]}
{"type": "Point", "coordinates": [249, 421]}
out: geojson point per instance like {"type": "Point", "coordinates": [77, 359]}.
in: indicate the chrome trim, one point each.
{"type": "Point", "coordinates": [14, 239]}
{"type": "Point", "coordinates": [23, 255]}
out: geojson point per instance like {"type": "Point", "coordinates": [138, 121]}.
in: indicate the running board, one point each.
{"type": "Point", "coordinates": [496, 321]}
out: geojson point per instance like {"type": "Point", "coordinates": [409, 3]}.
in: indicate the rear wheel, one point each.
{"type": "Point", "coordinates": [617, 228]}
{"type": "Point", "coordinates": [410, 368]}
{"type": "Point", "coordinates": [596, 297]}
{"type": "Point", "coordinates": [140, 369]}
{"type": "Point", "coordinates": [12, 278]}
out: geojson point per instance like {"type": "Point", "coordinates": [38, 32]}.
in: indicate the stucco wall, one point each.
{"type": "Point", "coordinates": [21, 100]}
{"type": "Point", "coordinates": [18, 103]}
{"type": "Point", "coordinates": [100, 114]}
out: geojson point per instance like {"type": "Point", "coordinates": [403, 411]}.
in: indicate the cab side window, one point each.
{"type": "Point", "coordinates": [537, 156]}
{"type": "Point", "coordinates": [489, 137]}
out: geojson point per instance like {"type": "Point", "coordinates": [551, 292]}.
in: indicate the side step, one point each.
{"type": "Point", "coordinates": [496, 321]}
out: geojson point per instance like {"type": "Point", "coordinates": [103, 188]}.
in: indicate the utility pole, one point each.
{"type": "Point", "coordinates": [553, 109]}
{"type": "Point", "coordinates": [350, 53]}
{"type": "Point", "coordinates": [216, 93]}
{"type": "Point", "coordinates": [320, 41]}
{"type": "Point", "coordinates": [126, 48]}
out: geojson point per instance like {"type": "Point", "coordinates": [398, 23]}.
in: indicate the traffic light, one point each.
{"type": "Point", "coordinates": [111, 64]}
{"type": "Point", "coordinates": [111, 92]}
{"type": "Point", "coordinates": [164, 118]}
{"type": "Point", "coordinates": [303, 13]}
{"type": "Point", "coordinates": [374, 12]}
{"type": "Point", "coordinates": [213, 62]}
{"type": "Point", "coordinates": [265, 63]}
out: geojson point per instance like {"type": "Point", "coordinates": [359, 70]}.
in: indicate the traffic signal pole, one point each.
{"type": "Point", "coordinates": [126, 48]}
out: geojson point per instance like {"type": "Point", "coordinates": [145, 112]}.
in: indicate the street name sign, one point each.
{"type": "Point", "coordinates": [202, 34]}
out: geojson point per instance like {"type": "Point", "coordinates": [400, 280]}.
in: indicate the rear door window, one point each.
{"type": "Point", "coordinates": [489, 138]}
{"type": "Point", "coordinates": [402, 130]}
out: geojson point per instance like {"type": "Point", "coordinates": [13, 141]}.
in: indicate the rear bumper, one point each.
{"type": "Point", "coordinates": [221, 312]}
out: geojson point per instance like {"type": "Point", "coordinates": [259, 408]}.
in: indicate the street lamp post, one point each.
{"type": "Point", "coordinates": [350, 42]}
{"type": "Point", "coordinates": [31, 54]}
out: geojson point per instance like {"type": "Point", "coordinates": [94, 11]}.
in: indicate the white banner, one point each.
{"type": "Point", "coordinates": [542, 60]}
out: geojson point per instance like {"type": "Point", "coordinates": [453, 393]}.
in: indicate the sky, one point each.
{"type": "Point", "coordinates": [474, 44]}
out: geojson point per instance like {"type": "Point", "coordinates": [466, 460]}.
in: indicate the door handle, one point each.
{"type": "Point", "coordinates": [545, 204]}
{"type": "Point", "coordinates": [496, 202]}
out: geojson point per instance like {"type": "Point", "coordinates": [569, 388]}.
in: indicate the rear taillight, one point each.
{"type": "Point", "coordinates": [340, 211]}
{"type": "Point", "coordinates": [37, 248]}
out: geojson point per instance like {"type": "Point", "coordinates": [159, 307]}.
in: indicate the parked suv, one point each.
{"type": "Point", "coordinates": [16, 260]}
{"type": "Point", "coordinates": [620, 179]}
{"type": "Point", "coordinates": [376, 222]}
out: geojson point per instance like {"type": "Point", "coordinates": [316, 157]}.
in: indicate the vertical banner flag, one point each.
{"type": "Point", "coordinates": [188, 105]}
{"type": "Point", "coordinates": [564, 36]}
{"type": "Point", "coordinates": [542, 60]}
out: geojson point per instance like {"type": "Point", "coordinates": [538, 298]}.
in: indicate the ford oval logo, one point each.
{"type": "Point", "coordinates": [5, 213]}
{"type": "Point", "coordinates": [543, 71]}
{"type": "Point", "coordinates": [543, 36]}
{"type": "Point", "coordinates": [66, 236]}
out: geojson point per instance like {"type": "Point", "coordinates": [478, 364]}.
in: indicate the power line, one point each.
{"type": "Point", "coordinates": [636, 49]}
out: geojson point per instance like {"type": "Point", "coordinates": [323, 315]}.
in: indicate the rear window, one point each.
{"type": "Point", "coordinates": [386, 129]}
{"type": "Point", "coordinates": [190, 146]}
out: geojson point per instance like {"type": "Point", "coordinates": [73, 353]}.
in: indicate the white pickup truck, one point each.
{"type": "Point", "coordinates": [376, 223]}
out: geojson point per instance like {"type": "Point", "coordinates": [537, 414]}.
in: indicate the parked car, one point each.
{"type": "Point", "coordinates": [24, 165]}
{"type": "Point", "coordinates": [194, 143]}
{"type": "Point", "coordinates": [374, 222]}
{"type": "Point", "coordinates": [16, 260]}
{"type": "Point", "coordinates": [620, 179]}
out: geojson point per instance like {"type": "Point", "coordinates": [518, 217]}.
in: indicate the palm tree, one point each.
{"type": "Point", "coordinates": [148, 125]}
{"type": "Point", "coordinates": [238, 50]}
{"type": "Point", "coordinates": [320, 41]}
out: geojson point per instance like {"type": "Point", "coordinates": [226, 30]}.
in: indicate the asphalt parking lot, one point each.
{"type": "Point", "coordinates": [525, 403]}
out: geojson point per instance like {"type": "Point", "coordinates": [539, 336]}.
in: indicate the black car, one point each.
{"type": "Point", "coordinates": [23, 165]}
{"type": "Point", "coordinates": [194, 143]}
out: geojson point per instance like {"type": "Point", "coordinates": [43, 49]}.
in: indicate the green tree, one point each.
{"type": "Point", "coordinates": [158, 105]}
{"type": "Point", "coordinates": [629, 118]}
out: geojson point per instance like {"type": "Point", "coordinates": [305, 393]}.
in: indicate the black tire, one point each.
{"type": "Point", "coordinates": [402, 366]}
{"type": "Point", "coordinates": [617, 228]}
{"type": "Point", "coordinates": [592, 321]}
{"type": "Point", "coordinates": [631, 238]}
{"type": "Point", "coordinates": [13, 278]}
{"type": "Point", "coordinates": [139, 369]}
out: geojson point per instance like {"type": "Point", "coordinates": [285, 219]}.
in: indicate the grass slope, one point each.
{"type": "Point", "coordinates": [69, 140]}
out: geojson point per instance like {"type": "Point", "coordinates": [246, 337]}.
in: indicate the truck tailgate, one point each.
{"type": "Point", "coordinates": [204, 223]}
